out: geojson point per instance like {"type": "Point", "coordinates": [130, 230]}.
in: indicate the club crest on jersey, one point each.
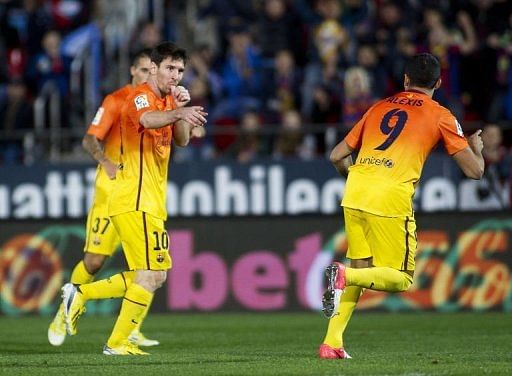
{"type": "Point", "coordinates": [141, 101]}
{"type": "Point", "coordinates": [96, 241]}
{"type": "Point", "coordinates": [98, 116]}
{"type": "Point", "coordinates": [160, 257]}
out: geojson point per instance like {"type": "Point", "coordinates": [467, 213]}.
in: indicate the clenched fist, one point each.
{"type": "Point", "coordinates": [181, 96]}
{"type": "Point", "coordinates": [475, 142]}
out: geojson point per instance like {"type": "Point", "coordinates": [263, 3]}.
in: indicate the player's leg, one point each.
{"type": "Point", "coordinates": [360, 254]}
{"type": "Point", "coordinates": [338, 323]}
{"type": "Point", "coordinates": [393, 244]}
{"type": "Point", "coordinates": [101, 242]}
{"type": "Point", "coordinates": [146, 247]}
{"type": "Point", "coordinates": [137, 337]}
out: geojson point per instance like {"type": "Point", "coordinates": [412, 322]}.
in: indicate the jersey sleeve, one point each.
{"type": "Point", "coordinates": [451, 133]}
{"type": "Point", "coordinates": [141, 103]}
{"type": "Point", "coordinates": [105, 117]}
{"type": "Point", "coordinates": [353, 138]}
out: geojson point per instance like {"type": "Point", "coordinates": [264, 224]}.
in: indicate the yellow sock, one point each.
{"type": "Point", "coordinates": [135, 303]}
{"type": "Point", "coordinates": [337, 325]}
{"type": "Point", "coordinates": [80, 275]}
{"type": "Point", "coordinates": [112, 287]}
{"type": "Point", "coordinates": [378, 278]}
{"type": "Point", "coordinates": [143, 317]}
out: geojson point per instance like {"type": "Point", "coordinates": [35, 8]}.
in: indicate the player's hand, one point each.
{"type": "Point", "coordinates": [475, 142]}
{"type": "Point", "coordinates": [181, 96]}
{"type": "Point", "coordinates": [194, 115]}
{"type": "Point", "coordinates": [198, 132]}
{"type": "Point", "coordinates": [110, 168]}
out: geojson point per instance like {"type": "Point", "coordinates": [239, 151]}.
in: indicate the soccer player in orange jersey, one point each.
{"type": "Point", "coordinates": [393, 139]}
{"type": "Point", "coordinates": [152, 116]}
{"type": "Point", "coordinates": [102, 141]}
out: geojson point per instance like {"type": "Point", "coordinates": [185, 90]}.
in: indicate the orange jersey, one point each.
{"type": "Point", "coordinates": [394, 138]}
{"type": "Point", "coordinates": [105, 127]}
{"type": "Point", "coordinates": [141, 185]}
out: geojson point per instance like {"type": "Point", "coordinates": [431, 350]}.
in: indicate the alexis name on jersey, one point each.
{"type": "Point", "coordinates": [406, 101]}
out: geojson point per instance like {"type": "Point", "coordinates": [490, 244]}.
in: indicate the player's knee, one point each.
{"type": "Point", "coordinates": [160, 278]}
{"type": "Point", "coordinates": [149, 279]}
{"type": "Point", "coordinates": [93, 262]}
{"type": "Point", "coordinates": [404, 284]}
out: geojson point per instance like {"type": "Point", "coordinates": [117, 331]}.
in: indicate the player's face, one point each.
{"type": "Point", "coordinates": [169, 74]}
{"type": "Point", "coordinates": [140, 72]}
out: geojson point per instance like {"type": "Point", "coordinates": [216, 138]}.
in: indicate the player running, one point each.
{"type": "Point", "coordinates": [393, 140]}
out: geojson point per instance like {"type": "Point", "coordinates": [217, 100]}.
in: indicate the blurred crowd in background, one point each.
{"type": "Point", "coordinates": [279, 78]}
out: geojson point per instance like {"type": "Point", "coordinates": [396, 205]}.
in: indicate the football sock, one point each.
{"type": "Point", "coordinates": [337, 324]}
{"type": "Point", "coordinates": [115, 286]}
{"type": "Point", "coordinates": [143, 317]}
{"type": "Point", "coordinates": [80, 275]}
{"type": "Point", "coordinates": [379, 278]}
{"type": "Point", "coordinates": [135, 303]}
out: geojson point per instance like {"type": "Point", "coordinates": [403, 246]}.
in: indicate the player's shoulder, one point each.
{"type": "Point", "coordinates": [123, 92]}
{"type": "Point", "coordinates": [141, 96]}
{"type": "Point", "coordinates": [444, 113]}
{"type": "Point", "coordinates": [142, 91]}
{"type": "Point", "coordinates": [119, 96]}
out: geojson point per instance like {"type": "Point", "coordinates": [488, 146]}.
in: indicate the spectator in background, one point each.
{"type": "Point", "coordinates": [69, 14]}
{"type": "Point", "coordinates": [368, 59]}
{"type": "Point", "coordinates": [355, 17]}
{"type": "Point", "coordinates": [148, 35]}
{"type": "Point", "coordinates": [449, 45]}
{"type": "Point", "coordinates": [24, 23]}
{"type": "Point", "coordinates": [281, 86]}
{"type": "Point", "coordinates": [357, 96]}
{"type": "Point", "coordinates": [291, 135]}
{"type": "Point", "coordinates": [277, 29]}
{"type": "Point", "coordinates": [330, 50]}
{"type": "Point", "coordinates": [390, 19]}
{"type": "Point", "coordinates": [225, 14]}
{"type": "Point", "coordinates": [51, 65]}
{"type": "Point", "coordinates": [200, 66]}
{"type": "Point", "coordinates": [3, 68]}
{"type": "Point", "coordinates": [498, 163]}
{"type": "Point", "coordinates": [249, 145]}
{"type": "Point", "coordinates": [241, 74]}
{"type": "Point", "coordinates": [326, 113]}
{"type": "Point", "coordinates": [16, 115]}
{"type": "Point", "coordinates": [492, 24]}
{"type": "Point", "coordinates": [500, 42]}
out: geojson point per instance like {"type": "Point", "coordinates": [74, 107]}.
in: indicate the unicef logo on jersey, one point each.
{"type": "Point", "coordinates": [386, 162]}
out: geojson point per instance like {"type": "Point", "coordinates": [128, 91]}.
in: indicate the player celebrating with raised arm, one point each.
{"type": "Point", "coordinates": [102, 141]}
{"type": "Point", "coordinates": [393, 139]}
{"type": "Point", "coordinates": [151, 117]}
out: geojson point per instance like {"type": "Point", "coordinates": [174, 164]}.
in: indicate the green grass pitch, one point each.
{"type": "Point", "coordinates": [269, 344]}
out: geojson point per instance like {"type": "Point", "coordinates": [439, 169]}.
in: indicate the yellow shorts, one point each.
{"type": "Point", "coordinates": [101, 236]}
{"type": "Point", "coordinates": [391, 241]}
{"type": "Point", "coordinates": [145, 241]}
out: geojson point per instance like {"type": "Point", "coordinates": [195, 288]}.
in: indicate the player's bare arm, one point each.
{"type": "Point", "coordinates": [341, 157]}
{"type": "Point", "coordinates": [198, 132]}
{"type": "Point", "coordinates": [184, 131]}
{"type": "Point", "coordinates": [470, 159]}
{"type": "Point", "coordinates": [95, 149]}
{"type": "Point", "coordinates": [193, 115]}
